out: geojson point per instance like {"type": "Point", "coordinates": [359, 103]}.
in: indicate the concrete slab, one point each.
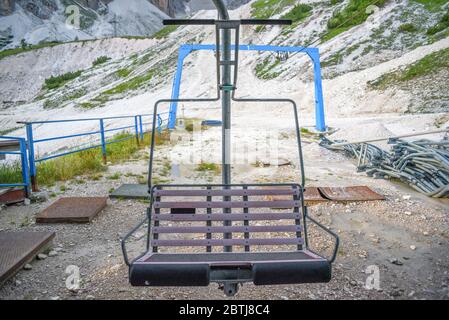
{"type": "Point", "coordinates": [131, 191]}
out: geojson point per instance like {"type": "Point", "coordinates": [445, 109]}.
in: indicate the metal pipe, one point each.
{"type": "Point", "coordinates": [226, 107]}
{"type": "Point", "coordinates": [335, 145]}
{"type": "Point", "coordinates": [222, 11]}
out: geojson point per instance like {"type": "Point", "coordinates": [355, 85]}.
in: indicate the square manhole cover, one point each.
{"type": "Point", "coordinates": [72, 210]}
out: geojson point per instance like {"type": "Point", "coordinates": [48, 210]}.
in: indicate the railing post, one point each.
{"type": "Point", "coordinates": [25, 169]}
{"type": "Point", "coordinates": [103, 141]}
{"type": "Point", "coordinates": [136, 128]}
{"type": "Point", "coordinates": [141, 128]}
{"type": "Point", "coordinates": [33, 171]}
{"type": "Point", "coordinates": [159, 123]}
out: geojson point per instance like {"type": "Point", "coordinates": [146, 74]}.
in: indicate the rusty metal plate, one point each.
{"type": "Point", "coordinates": [72, 210]}
{"type": "Point", "coordinates": [312, 196]}
{"type": "Point", "coordinates": [357, 193]}
{"type": "Point", "coordinates": [11, 196]}
{"type": "Point", "coordinates": [9, 145]}
{"type": "Point", "coordinates": [19, 248]}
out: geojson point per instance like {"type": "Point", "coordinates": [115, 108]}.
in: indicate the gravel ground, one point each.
{"type": "Point", "coordinates": [406, 237]}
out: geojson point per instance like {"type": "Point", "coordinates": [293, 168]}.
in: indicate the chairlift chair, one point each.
{"type": "Point", "coordinates": [217, 219]}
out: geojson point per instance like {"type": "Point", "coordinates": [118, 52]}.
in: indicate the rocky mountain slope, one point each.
{"type": "Point", "coordinates": [24, 22]}
{"type": "Point", "coordinates": [391, 58]}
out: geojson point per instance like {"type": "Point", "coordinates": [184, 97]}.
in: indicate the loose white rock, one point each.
{"type": "Point", "coordinates": [27, 267]}
{"type": "Point", "coordinates": [53, 253]}
{"type": "Point", "coordinates": [41, 256]}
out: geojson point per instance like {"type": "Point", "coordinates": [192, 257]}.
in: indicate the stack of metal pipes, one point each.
{"type": "Point", "coordinates": [422, 164]}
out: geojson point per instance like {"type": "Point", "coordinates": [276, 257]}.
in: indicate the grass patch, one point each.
{"type": "Point", "coordinates": [115, 176]}
{"type": "Point", "coordinates": [164, 32]}
{"type": "Point", "coordinates": [59, 81]}
{"type": "Point", "coordinates": [8, 131]}
{"type": "Point", "coordinates": [100, 60]}
{"type": "Point", "coordinates": [190, 124]}
{"type": "Point", "coordinates": [131, 84]}
{"type": "Point", "coordinates": [86, 105]}
{"type": "Point", "coordinates": [432, 5]}
{"type": "Point", "coordinates": [407, 27]}
{"type": "Point", "coordinates": [264, 69]}
{"type": "Point", "coordinates": [298, 13]}
{"type": "Point", "coordinates": [440, 26]}
{"type": "Point", "coordinates": [11, 52]}
{"type": "Point", "coordinates": [428, 65]}
{"type": "Point", "coordinates": [89, 162]}
{"type": "Point", "coordinates": [353, 14]}
{"type": "Point", "coordinates": [264, 9]}
{"type": "Point", "coordinates": [123, 73]}
{"type": "Point", "coordinates": [208, 167]}
{"type": "Point", "coordinates": [84, 163]}
{"type": "Point", "coordinates": [11, 173]}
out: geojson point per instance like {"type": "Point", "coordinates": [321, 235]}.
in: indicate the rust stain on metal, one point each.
{"type": "Point", "coordinates": [11, 196]}
{"type": "Point", "coordinates": [19, 248]}
{"type": "Point", "coordinates": [72, 210]}
{"type": "Point", "coordinates": [313, 196]}
{"type": "Point", "coordinates": [357, 193]}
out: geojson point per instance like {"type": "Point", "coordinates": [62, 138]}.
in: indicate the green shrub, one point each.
{"type": "Point", "coordinates": [432, 5]}
{"type": "Point", "coordinates": [407, 27]}
{"type": "Point", "coordinates": [211, 167]}
{"type": "Point", "coordinates": [440, 26]}
{"type": "Point", "coordinates": [164, 32]}
{"type": "Point", "coordinates": [131, 84]}
{"type": "Point", "coordinates": [353, 14]}
{"type": "Point", "coordinates": [59, 81]}
{"type": "Point", "coordinates": [264, 9]}
{"type": "Point", "coordinates": [100, 60]}
{"type": "Point", "coordinates": [298, 13]}
{"type": "Point", "coordinates": [431, 63]}
{"type": "Point", "coordinates": [264, 69]}
{"type": "Point", "coordinates": [11, 52]}
{"type": "Point", "coordinates": [123, 73]}
{"type": "Point", "coordinates": [11, 173]}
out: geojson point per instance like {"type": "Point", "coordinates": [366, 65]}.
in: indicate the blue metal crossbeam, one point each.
{"type": "Point", "coordinates": [313, 53]}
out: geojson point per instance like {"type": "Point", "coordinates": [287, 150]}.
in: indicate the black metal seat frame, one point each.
{"type": "Point", "coordinates": [227, 268]}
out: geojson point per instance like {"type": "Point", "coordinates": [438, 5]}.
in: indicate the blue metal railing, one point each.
{"type": "Point", "coordinates": [138, 127]}
{"type": "Point", "coordinates": [23, 161]}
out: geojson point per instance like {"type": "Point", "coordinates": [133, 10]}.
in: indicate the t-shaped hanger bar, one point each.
{"type": "Point", "coordinates": [254, 22]}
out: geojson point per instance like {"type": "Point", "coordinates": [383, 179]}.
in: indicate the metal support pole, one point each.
{"type": "Point", "coordinates": [159, 124]}
{"type": "Point", "coordinates": [319, 100]}
{"type": "Point", "coordinates": [136, 129]}
{"type": "Point", "coordinates": [25, 169]}
{"type": "Point", "coordinates": [184, 51]}
{"type": "Point", "coordinates": [33, 172]}
{"type": "Point", "coordinates": [226, 108]}
{"type": "Point", "coordinates": [103, 141]}
{"type": "Point", "coordinates": [141, 128]}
